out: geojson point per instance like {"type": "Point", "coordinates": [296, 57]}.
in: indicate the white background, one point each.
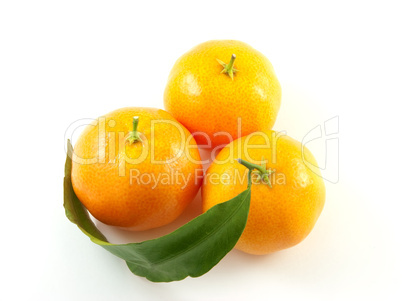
{"type": "Point", "coordinates": [61, 61]}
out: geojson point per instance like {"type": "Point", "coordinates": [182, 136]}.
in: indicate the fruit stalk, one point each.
{"type": "Point", "coordinates": [231, 63]}
{"type": "Point", "coordinates": [134, 136]}
{"type": "Point", "coordinates": [229, 68]}
{"type": "Point", "coordinates": [262, 171]}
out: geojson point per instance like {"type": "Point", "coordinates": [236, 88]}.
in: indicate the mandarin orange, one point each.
{"type": "Point", "coordinates": [136, 168]}
{"type": "Point", "coordinates": [280, 216]}
{"type": "Point", "coordinates": [221, 90]}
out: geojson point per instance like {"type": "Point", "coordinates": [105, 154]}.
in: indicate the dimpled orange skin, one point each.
{"type": "Point", "coordinates": [205, 100]}
{"type": "Point", "coordinates": [140, 205]}
{"type": "Point", "coordinates": [279, 217]}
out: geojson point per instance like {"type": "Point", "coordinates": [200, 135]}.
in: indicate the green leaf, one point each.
{"type": "Point", "coordinates": [75, 211]}
{"type": "Point", "coordinates": [192, 250]}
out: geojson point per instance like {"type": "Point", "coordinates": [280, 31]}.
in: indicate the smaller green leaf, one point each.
{"type": "Point", "coordinates": [75, 211]}
{"type": "Point", "coordinates": [192, 250]}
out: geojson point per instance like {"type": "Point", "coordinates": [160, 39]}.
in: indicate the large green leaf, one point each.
{"type": "Point", "coordinates": [192, 250]}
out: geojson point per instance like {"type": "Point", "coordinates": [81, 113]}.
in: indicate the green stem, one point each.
{"type": "Point", "coordinates": [264, 173]}
{"type": "Point", "coordinates": [229, 69]}
{"type": "Point", "coordinates": [134, 136]}
{"type": "Point", "coordinates": [252, 166]}
{"type": "Point", "coordinates": [231, 63]}
{"type": "Point", "coordinates": [136, 119]}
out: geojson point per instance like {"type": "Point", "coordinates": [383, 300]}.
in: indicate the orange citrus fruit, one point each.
{"type": "Point", "coordinates": [217, 83]}
{"type": "Point", "coordinates": [281, 216]}
{"type": "Point", "coordinates": [136, 168]}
